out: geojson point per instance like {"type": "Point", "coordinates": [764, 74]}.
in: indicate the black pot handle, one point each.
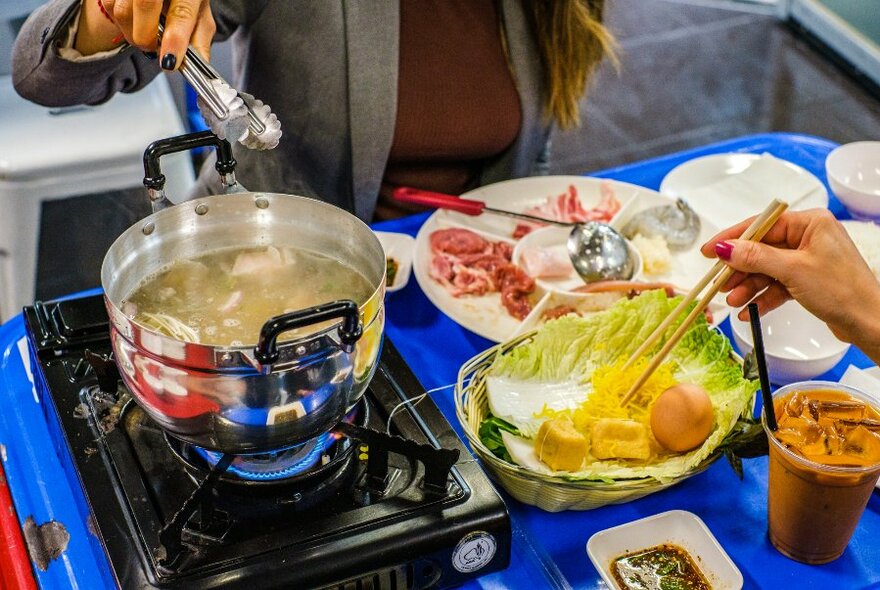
{"type": "Point", "coordinates": [266, 351]}
{"type": "Point", "coordinates": [154, 180]}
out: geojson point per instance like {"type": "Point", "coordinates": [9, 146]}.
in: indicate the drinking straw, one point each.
{"type": "Point", "coordinates": [758, 339]}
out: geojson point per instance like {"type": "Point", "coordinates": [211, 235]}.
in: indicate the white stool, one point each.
{"type": "Point", "coordinates": [58, 153]}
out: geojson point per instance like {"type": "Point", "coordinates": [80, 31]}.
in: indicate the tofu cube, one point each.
{"type": "Point", "coordinates": [560, 445]}
{"type": "Point", "coordinates": [620, 439]}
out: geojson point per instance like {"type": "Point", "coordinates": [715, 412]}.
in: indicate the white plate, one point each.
{"type": "Point", "coordinates": [784, 180]}
{"type": "Point", "coordinates": [400, 247]}
{"type": "Point", "coordinates": [677, 527]}
{"type": "Point", "coordinates": [485, 315]}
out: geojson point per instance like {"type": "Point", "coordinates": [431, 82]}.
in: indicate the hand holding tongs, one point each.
{"type": "Point", "coordinates": [263, 128]}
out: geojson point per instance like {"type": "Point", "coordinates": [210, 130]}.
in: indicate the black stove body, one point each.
{"type": "Point", "coordinates": [367, 510]}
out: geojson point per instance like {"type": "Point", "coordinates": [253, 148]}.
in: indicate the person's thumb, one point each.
{"type": "Point", "coordinates": [754, 257]}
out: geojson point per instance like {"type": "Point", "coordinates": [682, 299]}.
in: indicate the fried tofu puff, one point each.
{"type": "Point", "coordinates": [560, 445]}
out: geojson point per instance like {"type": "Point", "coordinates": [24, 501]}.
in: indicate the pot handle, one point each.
{"type": "Point", "coordinates": [350, 331]}
{"type": "Point", "coordinates": [154, 180]}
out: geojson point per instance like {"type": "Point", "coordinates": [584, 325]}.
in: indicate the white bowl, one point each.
{"type": "Point", "coordinates": [853, 171]}
{"type": "Point", "coordinates": [677, 527]}
{"type": "Point", "coordinates": [798, 345]}
{"type": "Point", "coordinates": [557, 237]}
{"type": "Point", "coordinates": [400, 247]}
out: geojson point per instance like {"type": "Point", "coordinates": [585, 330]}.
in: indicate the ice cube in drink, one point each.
{"type": "Point", "coordinates": [826, 426]}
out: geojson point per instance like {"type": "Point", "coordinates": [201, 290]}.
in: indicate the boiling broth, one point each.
{"type": "Point", "coordinates": [224, 297]}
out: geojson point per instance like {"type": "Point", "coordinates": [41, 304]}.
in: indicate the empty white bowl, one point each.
{"type": "Point", "coordinates": [853, 171]}
{"type": "Point", "coordinates": [677, 527]}
{"type": "Point", "coordinates": [798, 345]}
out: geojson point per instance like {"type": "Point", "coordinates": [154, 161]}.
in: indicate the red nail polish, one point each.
{"type": "Point", "coordinates": [724, 250]}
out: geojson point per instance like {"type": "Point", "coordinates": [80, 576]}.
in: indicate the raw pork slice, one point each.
{"type": "Point", "coordinates": [465, 263]}
{"type": "Point", "coordinates": [568, 207]}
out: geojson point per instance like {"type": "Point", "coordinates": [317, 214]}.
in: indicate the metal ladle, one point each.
{"type": "Point", "coordinates": [600, 253]}
{"type": "Point", "coordinates": [597, 251]}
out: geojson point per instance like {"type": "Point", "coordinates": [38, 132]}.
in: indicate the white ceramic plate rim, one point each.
{"type": "Point", "coordinates": [704, 170]}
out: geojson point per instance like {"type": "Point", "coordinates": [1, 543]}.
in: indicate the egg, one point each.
{"type": "Point", "coordinates": [681, 417]}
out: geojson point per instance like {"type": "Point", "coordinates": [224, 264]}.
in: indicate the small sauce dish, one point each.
{"type": "Point", "coordinates": [398, 247]}
{"type": "Point", "coordinates": [676, 527]}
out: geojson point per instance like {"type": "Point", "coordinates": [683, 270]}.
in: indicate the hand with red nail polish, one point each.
{"type": "Point", "coordinates": [723, 250]}
{"type": "Point", "coordinates": [807, 256]}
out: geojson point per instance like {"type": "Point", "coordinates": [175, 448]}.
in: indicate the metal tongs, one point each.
{"type": "Point", "coordinates": [201, 76]}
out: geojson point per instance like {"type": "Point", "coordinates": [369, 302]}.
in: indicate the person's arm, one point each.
{"type": "Point", "coordinates": [87, 73]}
{"type": "Point", "coordinates": [807, 256]}
{"type": "Point", "coordinates": [40, 74]}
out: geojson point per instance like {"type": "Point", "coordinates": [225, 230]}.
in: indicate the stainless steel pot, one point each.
{"type": "Point", "coordinates": [271, 394]}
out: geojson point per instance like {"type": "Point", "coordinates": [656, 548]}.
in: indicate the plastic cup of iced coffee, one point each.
{"type": "Point", "coordinates": [824, 464]}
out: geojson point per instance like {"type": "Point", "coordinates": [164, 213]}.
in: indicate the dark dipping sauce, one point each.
{"type": "Point", "coordinates": [391, 267]}
{"type": "Point", "coordinates": [664, 567]}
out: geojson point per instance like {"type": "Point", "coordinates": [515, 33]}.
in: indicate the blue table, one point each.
{"type": "Point", "coordinates": [550, 549]}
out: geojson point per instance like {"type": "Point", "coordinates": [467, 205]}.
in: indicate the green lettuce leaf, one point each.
{"type": "Point", "coordinates": [574, 345]}
{"type": "Point", "coordinates": [490, 435]}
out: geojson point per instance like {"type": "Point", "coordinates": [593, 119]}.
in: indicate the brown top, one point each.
{"type": "Point", "coordinates": [457, 104]}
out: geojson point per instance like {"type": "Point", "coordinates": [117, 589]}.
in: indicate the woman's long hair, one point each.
{"type": "Point", "coordinates": [572, 42]}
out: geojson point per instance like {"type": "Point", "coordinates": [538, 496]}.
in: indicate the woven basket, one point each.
{"type": "Point", "coordinates": [547, 492]}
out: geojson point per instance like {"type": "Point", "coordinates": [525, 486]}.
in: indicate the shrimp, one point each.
{"type": "Point", "coordinates": [678, 224]}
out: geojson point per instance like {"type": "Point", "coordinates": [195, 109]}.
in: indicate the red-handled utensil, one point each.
{"type": "Point", "coordinates": [407, 194]}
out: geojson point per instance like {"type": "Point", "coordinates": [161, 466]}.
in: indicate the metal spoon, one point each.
{"type": "Point", "coordinates": [597, 251]}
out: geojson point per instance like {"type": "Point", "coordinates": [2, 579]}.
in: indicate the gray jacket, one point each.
{"type": "Point", "coordinates": [327, 68]}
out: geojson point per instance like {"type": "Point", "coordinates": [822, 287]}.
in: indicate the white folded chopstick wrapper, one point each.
{"type": "Point", "coordinates": [866, 380]}
{"type": "Point", "coordinates": [863, 380]}
{"type": "Point", "coordinates": [724, 201]}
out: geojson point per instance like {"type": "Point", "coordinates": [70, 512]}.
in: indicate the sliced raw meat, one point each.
{"type": "Point", "coordinates": [467, 264]}
{"type": "Point", "coordinates": [458, 241]}
{"type": "Point", "coordinates": [471, 281]}
{"type": "Point", "coordinates": [515, 286]}
{"type": "Point", "coordinates": [568, 207]}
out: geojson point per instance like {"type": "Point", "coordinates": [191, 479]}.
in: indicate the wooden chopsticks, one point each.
{"type": "Point", "coordinates": [756, 231]}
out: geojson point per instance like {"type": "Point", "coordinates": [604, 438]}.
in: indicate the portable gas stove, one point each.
{"type": "Point", "coordinates": [381, 501]}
